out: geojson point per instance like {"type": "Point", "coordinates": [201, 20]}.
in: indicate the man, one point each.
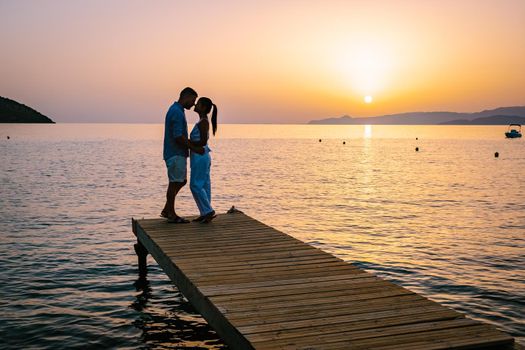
{"type": "Point", "coordinates": [176, 146]}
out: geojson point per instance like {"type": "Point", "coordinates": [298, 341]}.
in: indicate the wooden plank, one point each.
{"type": "Point", "coordinates": [297, 291]}
{"type": "Point", "coordinates": [216, 290]}
{"type": "Point", "coordinates": [260, 288]}
{"type": "Point", "coordinates": [241, 250]}
{"type": "Point", "coordinates": [323, 339]}
{"type": "Point", "coordinates": [216, 234]}
{"type": "Point", "coordinates": [279, 318]}
{"type": "Point", "coordinates": [322, 321]}
{"type": "Point", "coordinates": [287, 284]}
{"type": "Point", "coordinates": [314, 301]}
{"type": "Point", "coordinates": [197, 242]}
{"type": "Point", "coordinates": [245, 257]}
{"type": "Point", "coordinates": [472, 337]}
{"type": "Point", "coordinates": [351, 306]}
{"type": "Point", "coordinates": [352, 325]}
{"type": "Point", "coordinates": [219, 227]}
{"type": "Point", "coordinates": [275, 270]}
{"type": "Point", "coordinates": [310, 294]}
{"type": "Point", "coordinates": [262, 264]}
{"type": "Point", "coordinates": [214, 280]}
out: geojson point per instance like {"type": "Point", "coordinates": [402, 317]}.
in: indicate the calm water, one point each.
{"type": "Point", "coordinates": [447, 221]}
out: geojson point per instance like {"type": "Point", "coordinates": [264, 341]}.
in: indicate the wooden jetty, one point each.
{"type": "Point", "coordinates": [262, 289]}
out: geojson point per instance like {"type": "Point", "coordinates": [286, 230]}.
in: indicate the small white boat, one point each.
{"type": "Point", "coordinates": [513, 131]}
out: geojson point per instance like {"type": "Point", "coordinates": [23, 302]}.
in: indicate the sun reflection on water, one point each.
{"type": "Point", "coordinates": [368, 132]}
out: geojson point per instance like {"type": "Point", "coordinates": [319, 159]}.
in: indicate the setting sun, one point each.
{"type": "Point", "coordinates": [368, 99]}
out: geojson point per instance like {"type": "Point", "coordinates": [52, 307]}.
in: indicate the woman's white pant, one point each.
{"type": "Point", "coordinates": [200, 184]}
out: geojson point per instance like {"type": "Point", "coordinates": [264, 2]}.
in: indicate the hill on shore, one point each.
{"type": "Point", "coordinates": [426, 118]}
{"type": "Point", "coordinates": [493, 120]}
{"type": "Point", "coordinates": [14, 112]}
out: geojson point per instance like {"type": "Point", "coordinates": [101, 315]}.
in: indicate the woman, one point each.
{"type": "Point", "coordinates": [200, 164]}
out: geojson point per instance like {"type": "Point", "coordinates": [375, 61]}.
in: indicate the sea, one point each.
{"type": "Point", "coordinates": [439, 210]}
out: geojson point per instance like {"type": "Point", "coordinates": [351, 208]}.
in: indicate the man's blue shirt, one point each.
{"type": "Point", "coordinates": [175, 126]}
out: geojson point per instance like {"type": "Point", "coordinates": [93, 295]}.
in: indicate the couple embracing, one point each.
{"type": "Point", "coordinates": [178, 147]}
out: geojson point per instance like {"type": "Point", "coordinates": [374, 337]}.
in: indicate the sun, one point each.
{"type": "Point", "coordinates": [366, 66]}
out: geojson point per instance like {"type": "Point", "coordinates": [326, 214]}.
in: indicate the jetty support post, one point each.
{"type": "Point", "coordinates": [142, 253]}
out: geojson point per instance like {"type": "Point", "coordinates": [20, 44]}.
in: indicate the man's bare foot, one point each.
{"type": "Point", "coordinates": [178, 220]}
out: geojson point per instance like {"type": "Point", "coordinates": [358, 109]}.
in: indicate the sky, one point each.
{"type": "Point", "coordinates": [125, 61]}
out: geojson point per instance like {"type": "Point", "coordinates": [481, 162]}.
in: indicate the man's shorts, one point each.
{"type": "Point", "coordinates": [177, 168]}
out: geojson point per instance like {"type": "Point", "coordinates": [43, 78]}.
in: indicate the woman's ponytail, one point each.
{"type": "Point", "coordinates": [214, 119]}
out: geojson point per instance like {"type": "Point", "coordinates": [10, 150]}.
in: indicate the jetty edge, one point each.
{"type": "Point", "coordinates": [260, 288]}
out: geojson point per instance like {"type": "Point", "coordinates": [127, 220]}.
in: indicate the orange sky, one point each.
{"type": "Point", "coordinates": [261, 62]}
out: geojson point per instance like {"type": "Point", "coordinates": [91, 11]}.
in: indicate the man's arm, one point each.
{"type": "Point", "coordinates": [184, 142]}
{"type": "Point", "coordinates": [180, 139]}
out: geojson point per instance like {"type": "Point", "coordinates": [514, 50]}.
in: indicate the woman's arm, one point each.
{"type": "Point", "coordinates": [204, 126]}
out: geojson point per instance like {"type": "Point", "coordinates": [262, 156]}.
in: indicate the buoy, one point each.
{"type": "Point", "coordinates": [417, 149]}
{"type": "Point", "coordinates": [496, 154]}
{"type": "Point", "coordinates": [344, 142]}
{"type": "Point", "coordinates": [319, 140]}
{"type": "Point", "coordinates": [417, 138]}
{"type": "Point", "coordinates": [8, 137]}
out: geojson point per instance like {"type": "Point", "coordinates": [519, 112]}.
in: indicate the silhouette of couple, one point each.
{"type": "Point", "coordinates": [178, 147]}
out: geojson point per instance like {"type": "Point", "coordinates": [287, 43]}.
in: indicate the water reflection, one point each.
{"type": "Point", "coordinates": [367, 131]}
{"type": "Point", "coordinates": [180, 327]}
{"type": "Point", "coordinates": [143, 288]}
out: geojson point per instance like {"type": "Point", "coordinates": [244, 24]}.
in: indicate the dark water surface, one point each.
{"type": "Point", "coordinates": [447, 222]}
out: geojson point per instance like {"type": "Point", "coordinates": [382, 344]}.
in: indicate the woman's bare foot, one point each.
{"type": "Point", "coordinates": [206, 219]}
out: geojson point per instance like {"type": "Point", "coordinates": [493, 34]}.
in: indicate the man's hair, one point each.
{"type": "Point", "coordinates": [188, 92]}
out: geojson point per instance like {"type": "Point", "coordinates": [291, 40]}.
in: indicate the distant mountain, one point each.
{"type": "Point", "coordinates": [14, 112]}
{"type": "Point", "coordinates": [423, 118]}
{"type": "Point", "coordinates": [492, 120]}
